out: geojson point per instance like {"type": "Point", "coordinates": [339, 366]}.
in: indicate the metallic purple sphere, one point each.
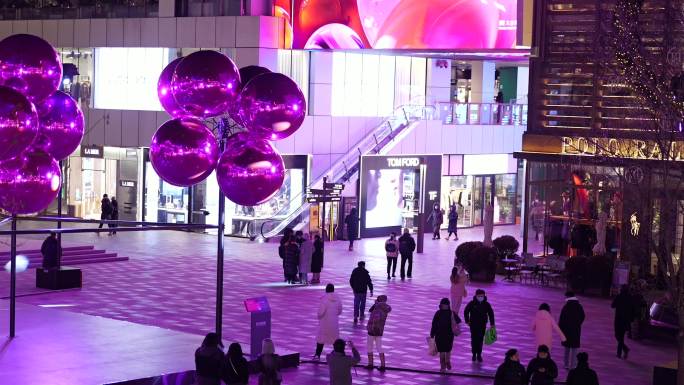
{"type": "Point", "coordinates": [205, 84]}
{"type": "Point", "coordinates": [183, 151]}
{"type": "Point", "coordinates": [250, 171]}
{"type": "Point", "coordinates": [272, 106]}
{"type": "Point", "coordinates": [30, 65]}
{"type": "Point", "coordinates": [29, 182]}
{"type": "Point", "coordinates": [246, 74]}
{"type": "Point", "coordinates": [18, 123]}
{"type": "Point", "coordinates": [61, 125]}
{"type": "Point", "coordinates": [164, 90]}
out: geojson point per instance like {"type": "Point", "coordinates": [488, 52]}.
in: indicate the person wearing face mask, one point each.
{"type": "Point", "coordinates": [542, 370]}
{"type": "Point", "coordinates": [511, 372]}
{"type": "Point", "coordinates": [476, 314]}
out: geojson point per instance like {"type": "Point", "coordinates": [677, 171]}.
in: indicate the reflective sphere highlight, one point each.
{"type": "Point", "coordinates": [30, 65]}
{"type": "Point", "coordinates": [18, 123]}
{"type": "Point", "coordinates": [61, 125]}
{"type": "Point", "coordinates": [29, 182]}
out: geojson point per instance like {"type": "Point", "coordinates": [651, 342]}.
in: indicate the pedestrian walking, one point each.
{"type": "Point", "coordinates": [392, 251]}
{"type": "Point", "coordinates": [305, 257]}
{"type": "Point", "coordinates": [291, 260]}
{"type": "Point", "coordinates": [105, 210]}
{"type": "Point", "coordinates": [544, 325]}
{"type": "Point", "coordinates": [407, 245]}
{"type": "Point", "coordinates": [511, 372]}
{"type": "Point", "coordinates": [209, 361]}
{"type": "Point", "coordinates": [340, 364]}
{"type": "Point", "coordinates": [235, 366]}
{"type": "Point", "coordinates": [287, 234]}
{"type": "Point", "coordinates": [476, 314]}
{"type": "Point", "coordinates": [352, 222]}
{"type": "Point", "coordinates": [268, 364]}
{"type": "Point", "coordinates": [570, 323]}
{"type": "Point", "coordinates": [452, 224]}
{"type": "Point", "coordinates": [51, 251]}
{"type": "Point", "coordinates": [114, 216]}
{"type": "Point", "coordinates": [436, 219]}
{"type": "Point", "coordinates": [542, 370]}
{"type": "Point", "coordinates": [376, 328]}
{"type": "Point", "coordinates": [360, 282]}
{"type": "Point", "coordinates": [459, 279]}
{"type": "Point", "coordinates": [445, 326]}
{"type": "Point", "coordinates": [582, 374]}
{"type": "Point", "coordinates": [317, 259]}
{"type": "Point", "coordinates": [329, 312]}
{"type": "Point", "coordinates": [624, 314]}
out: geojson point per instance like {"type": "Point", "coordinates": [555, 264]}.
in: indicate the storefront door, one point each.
{"type": "Point", "coordinates": [483, 190]}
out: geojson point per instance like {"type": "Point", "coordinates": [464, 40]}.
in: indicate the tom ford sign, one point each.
{"type": "Point", "coordinates": [607, 147]}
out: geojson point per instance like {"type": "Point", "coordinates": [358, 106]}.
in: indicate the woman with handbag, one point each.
{"type": "Point", "coordinates": [268, 364]}
{"type": "Point", "coordinates": [235, 366]}
{"type": "Point", "coordinates": [445, 326]}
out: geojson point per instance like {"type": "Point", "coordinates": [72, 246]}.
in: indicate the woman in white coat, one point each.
{"type": "Point", "coordinates": [328, 320]}
{"type": "Point", "coordinates": [544, 325]}
{"type": "Point", "coordinates": [305, 252]}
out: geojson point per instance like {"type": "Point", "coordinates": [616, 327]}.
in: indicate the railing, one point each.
{"type": "Point", "coordinates": [380, 141]}
{"type": "Point", "coordinates": [483, 113]}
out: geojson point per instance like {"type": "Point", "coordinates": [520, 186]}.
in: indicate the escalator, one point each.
{"type": "Point", "coordinates": [380, 141]}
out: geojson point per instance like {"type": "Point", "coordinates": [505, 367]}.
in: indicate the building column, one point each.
{"type": "Point", "coordinates": [523, 84]}
{"type": "Point", "coordinates": [482, 82]}
{"type": "Point", "coordinates": [438, 82]}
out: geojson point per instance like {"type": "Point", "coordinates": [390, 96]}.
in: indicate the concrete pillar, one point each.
{"type": "Point", "coordinates": [167, 8]}
{"type": "Point", "coordinates": [482, 82]}
{"type": "Point", "coordinates": [320, 100]}
{"type": "Point", "coordinates": [438, 82]}
{"type": "Point", "coordinates": [523, 84]}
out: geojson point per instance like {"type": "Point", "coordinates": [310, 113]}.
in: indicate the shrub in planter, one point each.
{"type": "Point", "coordinates": [576, 269]}
{"type": "Point", "coordinates": [464, 250]}
{"type": "Point", "coordinates": [506, 246]}
{"type": "Point", "coordinates": [481, 264]}
{"type": "Point", "coordinates": [599, 274]}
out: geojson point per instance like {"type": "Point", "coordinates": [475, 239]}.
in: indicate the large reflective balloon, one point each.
{"type": "Point", "coordinates": [30, 65]}
{"type": "Point", "coordinates": [246, 74]}
{"type": "Point", "coordinates": [205, 83]}
{"type": "Point", "coordinates": [18, 123]}
{"type": "Point", "coordinates": [334, 36]}
{"type": "Point", "coordinates": [250, 171]}
{"type": "Point", "coordinates": [272, 106]}
{"type": "Point", "coordinates": [29, 182]}
{"type": "Point", "coordinates": [164, 90]}
{"type": "Point", "coordinates": [183, 151]}
{"type": "Point", "coordinates": [61, 125]}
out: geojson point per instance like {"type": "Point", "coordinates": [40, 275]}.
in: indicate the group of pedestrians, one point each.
{"type": "Point", "coordinates": [109, 210]}
{"type": "Point", "coordinates": [404, 247]}
{"type": "Point", "coordinates": [436, 219]}
{"type": "Point", "coordinates": [301, 255]}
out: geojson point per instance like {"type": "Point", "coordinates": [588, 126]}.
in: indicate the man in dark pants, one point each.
{"type": "Point", "coordinates": [624, 314]}
{"type": "Point", "coordinates": [406, 247]}
{"type": "Point", "coordinates": [105, 210]}
{"type": "Point", "coordinates": [51, 251]}
{"type": "Point", "coordinates": [476, 314]}
{"type": "Point", "coordinates": [360, 282]}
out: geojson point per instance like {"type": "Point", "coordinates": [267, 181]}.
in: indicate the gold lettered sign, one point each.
{"type": "Point", "coordinates": [608, 147]}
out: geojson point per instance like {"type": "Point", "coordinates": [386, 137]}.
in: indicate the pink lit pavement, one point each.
{"type": "Point", "coordinates": [169, 283]}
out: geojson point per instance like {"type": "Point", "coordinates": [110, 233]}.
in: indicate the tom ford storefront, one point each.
{"type": "Point", "coordinates": [583, 191]}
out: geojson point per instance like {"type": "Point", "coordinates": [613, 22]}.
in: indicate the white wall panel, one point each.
{"type": "Point", "coordinates": [82, 33]}
{"type": "Point", "coordinates": [113, 128]}
{"type": "Point", "coordinates": [130, 124]}
{"type": "Point", "coordinates": [65, 33]}
{"type": "Point", "coordinates": [5, 28]}
{"type": "Point", "coordinates": [321, 134]}
{"type": "Point", "coordinates": [321, 163]}
{"type": "Point", "coordinates": [205, 35]}
{"type": "Point", "coordinates": [96, 126]}
{"type": "Point", "coordinates": [50, 31]}
{"type": "Point", "coordinates": [34, 27]}
{"type": "Point", "coordinates": [167, 32]}
{"type": "Point", "coordinates": [433, 145]}
{"type": "Point", "coordinates": [304, 138]}
{"type": "Point", "coordinates": [248, 33]}
{"type": "Point", "coordinates": [500, 133]}
{"type": "Point", "coordinates": [98, 33]}
{"type": "Point", "coordinates": [320, 99]}
{"type": "Point", "coordinates": [225, 31]}
{"type": "Point", "coordinates": [146, 127]}
{"type": "Point", "coordinates": [19, 26]}
{"type": "Point", "coordinates": [115, 33]}
{"type": "Point", "coordinates": [340, 141]}
{"type": "Point", "coordinates": [132, 28]}
{"type": "Point", "coordinates": [246, 56]}
{"type": "Point", "coordinates": [271, 31]}
{"type": "Point", "coordinates": [185, 32]}
{"type": "Point", "coordinates": [149, 32]}
{"type": "Point", "coordinates": [287, 145]}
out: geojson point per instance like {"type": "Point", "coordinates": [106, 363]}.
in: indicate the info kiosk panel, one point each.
{"type": "Point", "coordinates": [260, 311]}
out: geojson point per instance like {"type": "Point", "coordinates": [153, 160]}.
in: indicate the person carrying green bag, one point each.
{"type": "Point", "coordinates": [476, 314]}
{"type": "Point", "coordinates": [490, 336]}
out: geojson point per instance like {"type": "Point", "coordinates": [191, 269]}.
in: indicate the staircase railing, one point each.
{"type": "Point", "coordinates": [380, 141]}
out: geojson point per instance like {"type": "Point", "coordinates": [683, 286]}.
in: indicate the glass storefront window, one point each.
{"type": "Point", "coordinates": [78, 73]}
{"type": "Point", "coordinates": [470, 192]}
{"type": "Point", "coordinates": [89, 180]}
{"type": "Point", "coordinates": [504, 199]}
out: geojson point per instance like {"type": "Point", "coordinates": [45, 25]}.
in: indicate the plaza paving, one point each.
{"type": "Point", "coordinates": [169, 282]}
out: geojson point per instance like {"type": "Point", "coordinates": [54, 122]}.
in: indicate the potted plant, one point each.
{"type": "Point", "coordinates": [481, 264]}
{"type": "Point", "coordinates": [506, 247]}
{"type": "Point", "coordinates": [464, 250]}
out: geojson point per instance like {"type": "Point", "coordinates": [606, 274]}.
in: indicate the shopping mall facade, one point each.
{"type": "Point", "coordinates": [465, 110]}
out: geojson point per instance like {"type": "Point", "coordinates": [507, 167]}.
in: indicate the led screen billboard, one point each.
{"type": "Point", "coordinates": [405, 24]}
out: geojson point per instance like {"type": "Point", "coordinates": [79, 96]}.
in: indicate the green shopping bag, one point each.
{"type": "Point", "coordinates": [490, 336]}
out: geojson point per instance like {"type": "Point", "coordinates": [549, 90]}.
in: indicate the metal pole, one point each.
{"type": "Point", "coordinates": [421, 210]}
{"type": "Point", "coordinates": [59, 215]}
{"type": "Point", "coordinates": [219, 246]}
{"type": "Point", "coordinates": [325, 180]}
{"type": "Point", "coordinates": [525, 214]}
{"type": "Point", "coordinates": [13, 277]}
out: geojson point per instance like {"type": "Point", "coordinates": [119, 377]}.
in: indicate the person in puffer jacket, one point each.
{"type": "Point", "coordinates": [376, 328]}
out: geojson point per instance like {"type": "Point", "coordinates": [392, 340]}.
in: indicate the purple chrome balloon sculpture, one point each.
{"type": "Point", "coordinates": [184, 151]}
{"type": "Point", "coordinates": [207, 84]}
{"type": "Point", "coordinates": [251, 171]}
{"type": "Point", "coordinates": [38, 124]}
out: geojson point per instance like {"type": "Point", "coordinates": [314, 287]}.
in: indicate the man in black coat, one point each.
{"type": "Point", "coordinates": [352, 222]}
{"type": "Point", "coordinates": [105, 210]}
{"type": "Point", "coordinates": [360, 282]}
{"type": "Point", "coordinates": [542, 370]}
{"type": "Point", "coordinates": [476, 314]}
{"type": "Point", "coordinates": [582, 374]}
{"type": "Point", "coordinates": [624, 314]}
{"type": "Point", "coordinates": [51, 251]}
{"type": "Point", "coordinates": [570, 322]}
{"type": "Point", "coordinates": [511, 372]}
{"type": "Point", "coordinates": [406, 247]}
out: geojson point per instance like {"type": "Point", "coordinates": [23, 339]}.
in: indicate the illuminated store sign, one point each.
{"type": "Point", "coordinates": [403, 162]}
{"type": "Point", "coordinates": [620, 148]}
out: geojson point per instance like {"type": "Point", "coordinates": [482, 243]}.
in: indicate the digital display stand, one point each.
{"type": "Point", "coordinates": [260, 312]}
